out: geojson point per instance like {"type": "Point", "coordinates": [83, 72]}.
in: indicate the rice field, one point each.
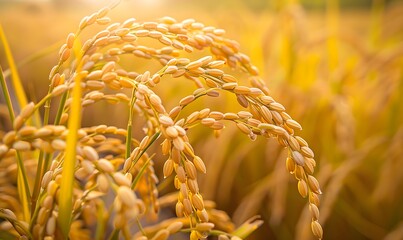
{"type": "Point", "coordinates": [201, 120]}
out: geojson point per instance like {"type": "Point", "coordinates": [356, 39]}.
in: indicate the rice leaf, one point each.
{"type": "Point", "coordinates": [16, 81]}
{"type": "Point", "coordinates": [66, 187]}
{"type": "Point", "coordinates": [6, 94]}
{"type": "Point", "coordinates": [19, 90]}
{"type": "Point", "coordinates": [23, 187]}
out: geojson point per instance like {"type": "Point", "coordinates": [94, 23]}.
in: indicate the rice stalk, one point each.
{"type": "Point", "coordinates": [96, 163]}
{"type": "Point", "coordinates": [66, 189]}
{"type": "Point", "coordinates": [23, 187]}
{"type": "Point", "coordinates": [16, 81]}
{"type": "Point", "coordinates": [6, 95]}
{"type": "Point", "coordinates": [129, 125]}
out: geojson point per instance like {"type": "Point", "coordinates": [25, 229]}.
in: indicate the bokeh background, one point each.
{"type": "Point", "coordinates": [337, 67]}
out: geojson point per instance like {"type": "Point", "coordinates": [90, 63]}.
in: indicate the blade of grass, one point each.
{"type": "Point", "coordinates": [23, 187]}
{"type": "Point", "coordinates": [44, 159]}
{"type": "Point", "coordinates": [66, 186]}
{"type": "Point", "coordinates": [153, 139]}
{"type": "Point", "coordinates": [140, 226]}
{"type": "Point", "coordinates": [141, 172]}
{"type": "Point", "coordinates": [35, 56]}
{"type": "Point", "coordinates": [37, 183]}
{"type": "Point", "coordinates": [129, 125]}
{"type": "Point", "coordinates": [22, 182]}
{"type": "Point", "coordinates": [61, 108]}
{"type": "Point", "coordinates": [35, 212]}
{"type": "Point", "coordinates": [19, 90]}
{"type": "Point", "coordinates": [248, 227]}
{"type": "Point", "coordinates": [6, 94]}
{"type": "Point", "coordinates": [16, 81]}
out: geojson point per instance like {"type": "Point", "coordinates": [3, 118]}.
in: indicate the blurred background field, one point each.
{"type": "Point", "coordinates": [337, 67]}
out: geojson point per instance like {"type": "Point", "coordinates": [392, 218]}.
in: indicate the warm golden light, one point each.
{"type": "Point", "coordinates": [234, 119]}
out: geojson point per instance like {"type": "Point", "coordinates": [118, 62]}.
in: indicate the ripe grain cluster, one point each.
{"type": "Point", "coordinates": [115, 185]}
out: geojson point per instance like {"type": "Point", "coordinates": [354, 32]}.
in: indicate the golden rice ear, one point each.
{"type": "Point", "coordinates": [80, 166]}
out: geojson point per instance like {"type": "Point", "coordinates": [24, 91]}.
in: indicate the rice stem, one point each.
{"type": "Point", "coordinates": [66, 187]}
{"type": "Point", "coordinates": [6, 95]}
{"type": "Point", "coordinates": [129, 125]}
{"type": "Point", "coordinates": [19, 90]}
{"type": "Point", "coordinates": [23, 187]}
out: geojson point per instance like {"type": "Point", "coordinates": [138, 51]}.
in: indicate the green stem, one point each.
{"type": "Point", "coordinates": [61, 108]}
{"type": "Point", "coordinates": [7, 96]}
{"type": "Point", "coordinates": [15, 78]}
{"type": "Point", "coordinates": [40, 171]}
{"type": "Point", "coordinates": [129, 125]}
{"type": "Point", "coordinates": [43, 159]}
{"type": "Point", "coordinates": [35, 212]}
{"type": "Point", "coordinates": [66, 185]}
{"type": "Point", "coordinates": [23, 187]}
{"type": "Point", "coordinates": [153, 139]}
{"type": "Point", "coordinates": [37, 184]}
{"type": "Point", "coordinates": [140, 174]}
{"type": "Point", "coordinates": [140, 226]}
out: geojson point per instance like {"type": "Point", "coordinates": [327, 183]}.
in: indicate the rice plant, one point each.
{"type": "Point", "coordinates": [63, 180]}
